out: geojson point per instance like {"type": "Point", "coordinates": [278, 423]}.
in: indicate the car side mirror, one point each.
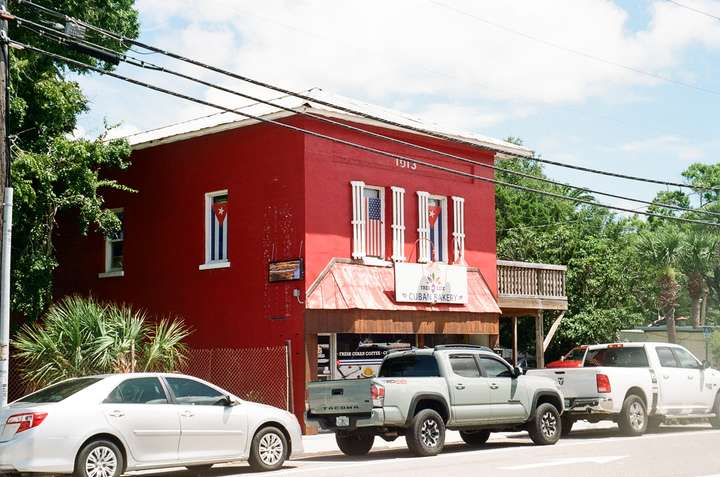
{"type": "Point", "coordinates": [705, 364]}
{"type": "Point", "coordinates": [228, 401]}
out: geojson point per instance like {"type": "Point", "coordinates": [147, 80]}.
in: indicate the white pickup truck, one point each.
{"type": "Point", "coordinates": [638, 385]}
{"type": "Point", "coordinates": [421, 392]}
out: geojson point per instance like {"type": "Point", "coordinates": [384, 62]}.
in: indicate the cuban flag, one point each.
{"type": "Point", "coordinates": [436, 233]}
{"type": "Point", "coordinates": [218, 230]}
{"type": "Point", "coordinates": [373, 227]}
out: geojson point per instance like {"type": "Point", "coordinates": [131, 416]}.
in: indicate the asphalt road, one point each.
{"type": "Point", "coordinates": [679, 451]}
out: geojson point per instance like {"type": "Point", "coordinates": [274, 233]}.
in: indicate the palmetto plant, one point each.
{"type": "Point", "coordinates": [81, 336]}
{"type": "Point", "coordinates": [698, 257]}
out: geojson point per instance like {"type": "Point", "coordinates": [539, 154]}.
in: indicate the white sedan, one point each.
{"type": "Point", "coordinates": [102, 426]}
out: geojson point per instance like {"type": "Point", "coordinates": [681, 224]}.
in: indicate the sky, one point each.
{"type": "Point", "coordinates": [630, 86]}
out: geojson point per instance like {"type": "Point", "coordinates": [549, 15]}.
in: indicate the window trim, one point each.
{"type": "Point", "coordinates": [444, 206]}
{"type": "Point", "coordinates": [359, 222]}
{"type": "Point", "coordinates": [669, 348]}
{"type": "Point", "coordinates": [169, 390]}
{"type": "Point", "coordinates": [381, 193]}
{"type": "Point", "coordinates": [675, 351]}
{"type": "Point", "coordinates": [109, 271]}
{"type": "Point", "coordinates": [458, 229]}
{"type": "Point", "coordinates": [168, 397]}
{"type": "Point", "coordinates": [213, 264]}
{"type": "Point", "coordinates": [480, 358]}
{"type": "Point", "coordinates": [398, 224]}
{"type": "Point", "coordinates": [474, 360]}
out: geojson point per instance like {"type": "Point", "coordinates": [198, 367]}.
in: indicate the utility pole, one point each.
{"type": "Point", "coordinates": [6, 199]}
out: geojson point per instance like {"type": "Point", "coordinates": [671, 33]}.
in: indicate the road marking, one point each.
{"type": "Point", "coordinates": [570, 461]}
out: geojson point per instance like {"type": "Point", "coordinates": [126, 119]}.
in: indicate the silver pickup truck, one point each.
{"type": "Point", "coordinates": [421, 392]}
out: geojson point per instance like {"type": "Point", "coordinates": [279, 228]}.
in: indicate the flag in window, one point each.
{"type": "Point", "coordinates": [218, 229]}
{"type": "Point", "coordinates": [373, 227]}
{"type": "Point", "coordinates": [436, 232]}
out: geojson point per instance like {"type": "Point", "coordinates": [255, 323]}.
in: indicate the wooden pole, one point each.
{"type": "Point", "coordinates": [539, 352]}
{"type": "Point", "coordinates": [514, 340]}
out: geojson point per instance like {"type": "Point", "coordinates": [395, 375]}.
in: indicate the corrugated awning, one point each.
{"type": "Point", "coordinates": [347, 286]}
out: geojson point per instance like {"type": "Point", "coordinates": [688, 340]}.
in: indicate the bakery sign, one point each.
{"type": "Point", "coordinates": [431, 283]}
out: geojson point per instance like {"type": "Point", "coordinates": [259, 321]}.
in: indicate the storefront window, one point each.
{"type": "Point", "coordinates": [359, 356]}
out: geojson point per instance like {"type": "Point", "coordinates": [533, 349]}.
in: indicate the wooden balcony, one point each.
{"type": "Point", "coordinates": [526, 288]}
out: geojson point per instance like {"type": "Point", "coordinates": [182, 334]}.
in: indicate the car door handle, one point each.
{"type": "Point", "coordinates": [493, 386]}
{"type": "Point", "coordinates": [187, 414]}
{"type": "Point", "coordinates": [691, 377]}
{"type": "Point", "coordinates": [665, 376]}
{"type": "Point", "coordinates": [460, 386]}
{"type": "Point", "coordinates": [117, 414]}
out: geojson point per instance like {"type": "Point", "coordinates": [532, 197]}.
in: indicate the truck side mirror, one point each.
{"type": "Point", "coordinates": [517, 372]}
{"type": "Point", "coordinates": [705, 364]}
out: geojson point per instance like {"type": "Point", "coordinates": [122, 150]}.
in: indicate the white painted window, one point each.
{"type": "Point", "coordinates": [216, 229]}
{"type": "Point", "coordinates": [368, 221]}
{"type": "Point", "coordinates": [423, 245]}
{"type": "Point", "coordinates": [114, 247]}
{"type": "Point", "coordinates": [432, 229]}
{"type": "Point", "coordinates": [459, 229]}
{"type": "Point", "coordinates": [398, 224]}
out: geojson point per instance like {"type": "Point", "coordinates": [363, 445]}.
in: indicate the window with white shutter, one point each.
{"type": "Point", "coordinates": [398, 224]}
{"type": "Point", "coordinates": [459, 229]}
{"type": "Point", "coordinates": [423, 227]}
{"type": "Point", "coordinates": [368, 221]}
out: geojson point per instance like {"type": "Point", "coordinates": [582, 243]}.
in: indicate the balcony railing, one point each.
{"type": "Point", "coordinates": [531, 280]}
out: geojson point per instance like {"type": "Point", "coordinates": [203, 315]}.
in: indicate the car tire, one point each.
{"type": "Point", "coordinates": [475, 438]}
{"type": "Point", "coordinates": [715, 421]}
{"type": "Point", "coordinates": [102, 455]}
{"type": "Point", "coordinates": [633, 419]}
{"type": "Point", "coordinates": [567, 425]}
{"type": "Point", "coordinates": [426, 435]}
{"type": "Point", "coordinates": [268, 450]}
{"type": "Point", "coordinates": [355, 444]}
{"type": "Point", "coordinates": [545, 426]}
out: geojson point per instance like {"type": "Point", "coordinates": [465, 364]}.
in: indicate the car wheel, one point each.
{"type": "Point", "coordinates": [358, 443]}
{"type": "Point", "coordinates": [715, 421]}
{"type": "Point", "coordinates": [545, 427]}
{"type": "Point", "coordinates": [100, 458]}
{"type": "Point", "coordinates": [475, 438]}
{"type": "Point", "coordinates": [268, 450]}
{"type": "Point", "coordinates": [567, 424]}
{"type": "Point", "coordinates": [426, 434]}
{"type": "Point", "coordinates": [633, 419]}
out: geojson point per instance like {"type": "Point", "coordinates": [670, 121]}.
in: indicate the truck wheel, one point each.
{"type": "Point", "coordinates": [715, 421]}
{"type": "Point", "coordinates": [355, 444]}
{"type": "Point", "coordinates": [426, 434]}
{"type": "Point", "coordinates": [633, 416]}
{"type": "Point", "coordinates": [545, 426]}
{"type": "Point", "coordinates": [567, 424]}
{"type": "Point", "coordinates": [475, 438]}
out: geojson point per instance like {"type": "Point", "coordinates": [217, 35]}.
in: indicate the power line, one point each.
{"type": "Point", "coordinates": [345, 142]}
{"type": "Point", "coordinates": [61, 37]}
{"type": "Point", "coordinates": [362, 114]}
{"type": "Point", "coordinates": [693, 9]}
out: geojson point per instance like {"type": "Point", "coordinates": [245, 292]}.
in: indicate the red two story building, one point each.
{"type": "Point", "coordinates": [260, 236]}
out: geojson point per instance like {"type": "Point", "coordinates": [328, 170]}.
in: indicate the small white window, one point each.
{"type": "Point", "coordinates": [398, 224]}
{"type": "Point", "coordinates": [114, 248]}
{"type": "Point", "coordinates": [216, 230]}
{"type": "Point", "coordinates": [432, 230]}
{"type": "Point", "coordinates": [368, 221]}
{"type": "Point", "coordinates": [459, 229]}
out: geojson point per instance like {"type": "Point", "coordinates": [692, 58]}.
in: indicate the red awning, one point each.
{"type": "Point", "coordinates": [346, 286]}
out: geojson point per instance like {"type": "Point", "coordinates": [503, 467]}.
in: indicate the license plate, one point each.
{"type": "Point", "coordinates": [342, 421]}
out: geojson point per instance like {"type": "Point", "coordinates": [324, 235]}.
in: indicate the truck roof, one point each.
{"type": "Point", "coordinates": [443, 349]}
{"type": "Point", "coordinates": [631, 344]}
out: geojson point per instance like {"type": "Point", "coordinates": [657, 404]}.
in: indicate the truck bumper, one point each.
{"type": "Point", "coordinates": [329, 422]}
{"type": "Point", "coordinates": [589, 406]}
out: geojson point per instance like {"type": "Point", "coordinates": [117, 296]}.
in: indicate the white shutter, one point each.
{"type": "Point", "coordinates": [459, 229]}
{"type": "Point", "coordinates": [423, 228]}
{"type": "Point", "coordinates": [398, 224]}
{"type": "Point", "coordinates": [358, 220]}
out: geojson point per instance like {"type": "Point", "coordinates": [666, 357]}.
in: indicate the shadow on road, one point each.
{"type": "Point", "coordinates": [615, 432]}
{"type": "Point", "coordinates": [218, 471]}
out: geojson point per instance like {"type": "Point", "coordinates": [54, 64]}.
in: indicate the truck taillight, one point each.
{"type": "Point", "coordinates": [378, 395]}
{"type": "Point", "coordinates": [603, 383]}
{"type": "Point", "coordinates": [26, 421]}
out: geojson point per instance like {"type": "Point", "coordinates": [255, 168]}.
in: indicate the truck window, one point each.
{"type": "Point", "coordinates": [409, 366]}
{"type": "Point", "coordinates": [494, 368]}
{"type": "Point", "coordinates": [617, 357]}
{"type": "Point", "coordinates": [666, 357]}
{"type": "Point", "coordinates": [685, 359]}
{"type": "Point", "coordinates": [464, 365]}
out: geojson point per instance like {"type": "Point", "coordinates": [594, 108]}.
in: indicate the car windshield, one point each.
{"type": "Point", "coordinates": [58, 392]}
{"type": "Point", "coordinates": [617, 357]}
{"type": "Point", "coordinates": [576, 354]}
{"type": "Point", "coordinates": [416, 366]}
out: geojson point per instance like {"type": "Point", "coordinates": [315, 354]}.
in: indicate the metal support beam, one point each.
{"type": "Point", "coordinates": [539, 350]}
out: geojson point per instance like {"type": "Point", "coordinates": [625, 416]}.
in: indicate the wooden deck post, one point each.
{"type": "Point", "coordinates": [539, 338]}
{"type": "Point", "coordinates": [514, 341]}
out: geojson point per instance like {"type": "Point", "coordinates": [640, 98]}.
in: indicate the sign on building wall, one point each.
{"type": "Point", "coordinates": [430, 283]}
{"type": "Point", "coordinates": [285, 271]}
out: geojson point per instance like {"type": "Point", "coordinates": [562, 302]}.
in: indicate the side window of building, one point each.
{"type": "Point", "coordinates": [114, 246]}
{"type": "Point", "coordinates": [464, 365]}
{"type": "Point", "coordinates": [189, 391]}
{"type": "Point", "coordinates": [432, 229]}
{"type": "Point", "coordinates": [368, 221]}
{"type": "Point", "coordinates": [685, 359]}
{"type": "Point", "coordinates": [494, 368]}
{"type": "Point", "coordinates": [216, 228]}
{"type": "Point", "coordinates": [458, 230]}
{"type": "Point", "coordinates": [138, 391]}
{"type": "Point", "coordinates": [666, 357]}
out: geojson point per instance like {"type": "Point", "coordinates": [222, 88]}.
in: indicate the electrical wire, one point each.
{"type": "Point", "coordinates": [348, 143]}
{"type": "Point", "coordinates": [365, 115]}
{"type": "Point", "coordinates": [693, 9]}
{"type": "Point", "coordinates": [62, 37]}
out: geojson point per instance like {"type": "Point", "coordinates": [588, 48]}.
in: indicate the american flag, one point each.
{"type": "Point", "coordinates": [373, 227]}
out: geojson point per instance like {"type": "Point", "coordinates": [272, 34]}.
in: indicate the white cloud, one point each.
{"type": "Point", "coordinates": [667, 145]}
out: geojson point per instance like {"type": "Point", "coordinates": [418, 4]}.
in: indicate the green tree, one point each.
{"type": "Point", "coordinates": [81, 336]}
{"type": "Point", "coordinates": [698, 256]}
{"type": "Point", "coordinates": [53, 174]}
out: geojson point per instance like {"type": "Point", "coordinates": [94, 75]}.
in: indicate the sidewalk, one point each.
{"type": "Point", "coordinates": [323, 444]}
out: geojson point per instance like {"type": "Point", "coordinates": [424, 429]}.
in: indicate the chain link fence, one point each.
{"type": "Point", "coordinates": [255, 374]}
{"type": "Point", "coordinates": [16, 387]}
